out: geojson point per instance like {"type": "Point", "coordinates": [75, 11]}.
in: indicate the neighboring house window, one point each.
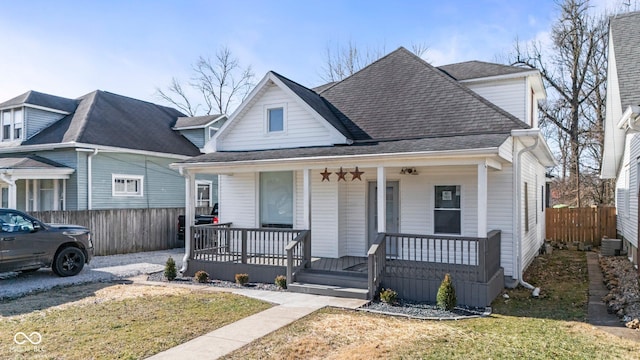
{"type": "Point", "coordinates": [447, 217]}
{"type": "Point", "coordinates": [276, 199]}
{"type": "Point", "coordinates": [526, 207]}
{"type": "Point", "coordinates": [275, 119]}
{"type": "Point", "coordinates": [127, 185]}
{"type": "Point", "coordinates": [203, 193]}
{"type": "Point", "coordinates": [17, 124]}
{"type": "Point", "coordinates": [6, 125]}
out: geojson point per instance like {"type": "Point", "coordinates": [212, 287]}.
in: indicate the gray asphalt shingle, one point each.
{"type": "Point", "coordinates": [625, 32]}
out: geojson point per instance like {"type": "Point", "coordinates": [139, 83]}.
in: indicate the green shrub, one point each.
{"type": "Point", "coordinates": [242, 279]}
{"type": "Point", "coordinates": [281, 281]}
{"type": "Point", "coordinates": [201, 276]}
{"type": "Point", "coordinates": [446, 298]}
{"type": "Point", "coordinates": [170, 269]}
{"type": "Point", "coordinates": [389, 296]}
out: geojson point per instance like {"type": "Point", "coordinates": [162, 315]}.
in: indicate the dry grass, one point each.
{"type": "Point", "coordinates": [123, 321]}
{"type": "Point", "coordinates": [521, 328]}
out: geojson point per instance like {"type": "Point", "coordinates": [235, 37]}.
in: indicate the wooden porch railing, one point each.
{"type": "Point", "coordinates": [298, 254]}
{"type": "Point", "coordinates": [376, 263]}
{"type": "Point", "coordinates": [222, 243]}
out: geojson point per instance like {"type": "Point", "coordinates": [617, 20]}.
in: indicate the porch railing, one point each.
{"type": "Point", "coordinates": [222, 243]}
{"type": "Point", "coordinates": [376, 258]}
{"type": "Point", "coordinates": [477, 258]}
{"type": "Point", "coordinates": [298, 254]}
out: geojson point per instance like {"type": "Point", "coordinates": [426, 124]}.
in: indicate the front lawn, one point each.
{"type": "Point", "coordinates": [145, 322]}
{"type": "Point", "coordinates": [550, 327]}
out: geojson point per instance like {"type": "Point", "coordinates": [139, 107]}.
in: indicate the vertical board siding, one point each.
{"type": "Point", "coordinates": [35, 120]}
{"type": "Point", "coordinates": [324, 229]}
{"type": "Point", "coordinates": [121, 231]}
{"type": "Point", "coordinates": [581, 225]}
{"type": "Point", "coordinates": [238, 203]}
{"type": "Point", "coordinates": [510, 95]}
{"type": "Point", "coordinates": [247, 132]}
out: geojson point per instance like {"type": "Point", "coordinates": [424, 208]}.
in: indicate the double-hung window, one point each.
{"type": "Point", "coordinates": [447, 213]}
{"type": "Point", "coordinates": [276, 199]}
{"type": "Point", "coordinates": [17, 124]}
{"type": "Point", "coordinates": [203, 193]}
{"type": "Point", "coordinates": [127, 185]}
{"type": "Point", "coordinates": [275, 118]}
{"type": "Point", "coordinates": [6, 125]}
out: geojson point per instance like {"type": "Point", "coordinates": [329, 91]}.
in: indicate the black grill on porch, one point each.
{"type": "Point", "coordinates": [413, 265]}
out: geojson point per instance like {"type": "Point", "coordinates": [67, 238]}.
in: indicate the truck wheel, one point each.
{"type": "Point", "coordinates": [68, 262]}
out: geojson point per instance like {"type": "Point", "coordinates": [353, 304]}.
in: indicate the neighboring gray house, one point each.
{"type": "Point", "coordinates": [393, 176]}
{"type": "Point", "coordinates": [99, 151]}
{"type": "Point", "coordinates": [621, 156]}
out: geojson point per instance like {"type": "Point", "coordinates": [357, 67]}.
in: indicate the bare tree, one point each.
{"type": "Point", "coordinates": [220, 83]}
{"type": "Point", "coordinates": [574, 80]}
{"type": "Point", "coordinates": [343, 61]}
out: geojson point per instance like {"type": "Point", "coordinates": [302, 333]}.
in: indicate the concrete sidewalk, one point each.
{"type": "Point", "coordinates": [291, 307]}
{"type": "Point", "coordinates": [597, 314]}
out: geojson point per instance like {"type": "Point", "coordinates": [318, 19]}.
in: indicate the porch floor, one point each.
{"type": "Point", "coordinates": [345, 263]}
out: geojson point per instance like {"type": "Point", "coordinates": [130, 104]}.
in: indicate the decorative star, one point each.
{"type": "Point", "coordinates": [325, 175]}
{"type": "Point", "coordinates": [356, 174]}
{"type": "Point", "coordinates": [341, 174]}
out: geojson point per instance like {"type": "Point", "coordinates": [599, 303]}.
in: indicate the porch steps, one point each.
{"type": "Point", "coordinates": [348, 284]}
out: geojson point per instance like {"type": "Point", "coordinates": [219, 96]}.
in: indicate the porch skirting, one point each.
{"type": "Point", "coordinates": [228, 270]}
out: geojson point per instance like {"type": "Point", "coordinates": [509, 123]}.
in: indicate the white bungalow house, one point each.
{"type": "Point", "coordinates": [621, 156]}
{"type": "Point", "coordinates": [391, 177]}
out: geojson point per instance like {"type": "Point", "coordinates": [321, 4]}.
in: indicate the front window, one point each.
{"type": "Point", "coordinates": [203, 194]}
{"type": "Point", "coordinates": [447, 212]}
{"type": "Point", "coordinates": [127, 185]}
{"type": "Point", "coordinates": [276, 199]}
{"type": "Point", "coordinates": [275, 119]}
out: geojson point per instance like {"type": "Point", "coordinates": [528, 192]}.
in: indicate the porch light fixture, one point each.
{"type": "Point", "coordinates": [409, 171]}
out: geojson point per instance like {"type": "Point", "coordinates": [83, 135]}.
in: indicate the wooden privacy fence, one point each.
{"type": "Point", "coordinates": [582, 225]}
{"type": "Point", "coordinates": [122, 231]}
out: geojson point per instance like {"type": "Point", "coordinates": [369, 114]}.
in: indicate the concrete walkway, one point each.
{"type": "Point", "coordinates": [291, 307]}
{"type": "Point", "coordinates": [598, 315]}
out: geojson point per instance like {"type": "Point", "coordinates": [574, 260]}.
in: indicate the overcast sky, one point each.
{"type": "Point", "coordinates": [70, 48]}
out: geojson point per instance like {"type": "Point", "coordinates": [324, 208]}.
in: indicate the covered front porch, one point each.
{"type": "Point", "coordinates": [413, 265]}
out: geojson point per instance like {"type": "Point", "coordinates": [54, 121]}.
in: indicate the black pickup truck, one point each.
{"type": "Point", "coordinates": [199, 220]}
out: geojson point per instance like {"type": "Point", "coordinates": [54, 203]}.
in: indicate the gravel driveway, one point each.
{"type": "Point", "coordinates": [101, 268]}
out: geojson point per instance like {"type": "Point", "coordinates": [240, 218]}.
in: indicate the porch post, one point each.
{"type": "Point", "coordinates": [382, 200]}
{"type": "Point", "coordinates": [12, 201]}
{"type": "Point", "coordinates": [306, 196]}
{"type": "Point", "coordinates": [189, 216]}
{"type": "Point", "coordinates": [482, 200]}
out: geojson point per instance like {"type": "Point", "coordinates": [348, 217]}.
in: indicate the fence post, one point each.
{"type": "Point", "coordinates": [244, 246]}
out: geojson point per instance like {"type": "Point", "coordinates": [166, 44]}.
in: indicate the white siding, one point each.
{"type": "Point", "coordinates": [324, 220]}
{"type": "Point", "coordinates": [248, 131]}
{"type": "Point", "coordinates": [415, 216]}
{"type": "Point", "coordinates": [510, 95]}
{"type": "Point", "coordinates": [354, 210]}
{"type": "Point", "coordinates": [500, 213]}
{"type": "Point", "coordinates": [238, 200]}
{"type": "Point", "coordinates": [627, 191]}
{"type": "Point", "coordinates": [298, 180]}
{"type": "Point", "coordinates": [531, 240]}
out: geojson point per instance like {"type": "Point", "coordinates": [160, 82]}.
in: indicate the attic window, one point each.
{"type": "Point", "coordinates": [275, 118]}
{"type": "Point", "coordinates": [12, 124]}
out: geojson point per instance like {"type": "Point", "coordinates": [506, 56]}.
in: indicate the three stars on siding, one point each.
{"type": "Point", "coordinates": [356, 174]}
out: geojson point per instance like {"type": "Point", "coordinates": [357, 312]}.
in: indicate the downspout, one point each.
{"type": "Point", "coordinates": [517, 212]}
{"type": "Point", "coordinates": [90, 179]}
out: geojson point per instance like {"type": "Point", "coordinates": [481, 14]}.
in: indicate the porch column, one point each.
{"type": "Point", "coordinates": [12, 201]}
{"type": "Point", "coordinates": [306, 198]}
{"type": "Point", "coordinates": [482, 199]}
{"type": "Point", "coordinates": [189, 215]}
{"type": "Point", "coordinates": [56, 195]}
{"type": "Point", "coordinates": [382, 200]}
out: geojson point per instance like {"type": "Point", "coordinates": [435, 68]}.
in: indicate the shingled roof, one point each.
{"type": "Point", "coordinates": [625, 32]}
{"type": "Point", "coordinates": [103, 118]}
{"type": "Point", "coordinates": [40, 99]}
{"type": "Point", "coordinates": [398, 104]}
{"type": "Point", "coordinates": [479, 69]}
{"type": "Point", "coordinates": [196, 121]}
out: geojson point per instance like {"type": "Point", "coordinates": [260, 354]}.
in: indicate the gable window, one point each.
{"type": "Point", "coordinates": [447, 213]}
{"type": "Point", "coordinates": [276, 199]}
{"type": "Point", "coordinates": [275, 118]}
{"type": "Point", "coordinates": [127, 185]}
{"type": "Point", "coordinates": [203, 193]}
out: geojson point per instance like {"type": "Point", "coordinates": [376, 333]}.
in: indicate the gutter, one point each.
{"type": "Point", "coordinates": [517, 204]}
